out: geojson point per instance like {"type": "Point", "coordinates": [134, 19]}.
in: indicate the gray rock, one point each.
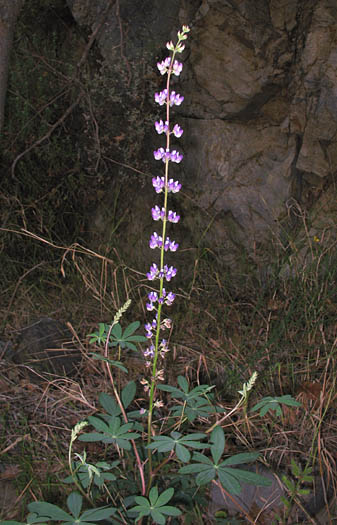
{"type": "Point", "coordinates": [252, 498]}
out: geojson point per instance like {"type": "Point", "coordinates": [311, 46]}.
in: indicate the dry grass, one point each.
{"type": "Point", "coordinates": [286, 331]}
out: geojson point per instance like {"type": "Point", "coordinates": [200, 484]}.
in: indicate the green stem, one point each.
{"type": "Point", "coordinates": [161, 285]}
{"type": "Point", "coordinates": [74, 473]}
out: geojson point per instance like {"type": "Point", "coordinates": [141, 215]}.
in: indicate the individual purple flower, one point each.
{"type": "Point", "coordinates": [177, 130]}
{"type": "Point", "coordinates": [153, 297]}
{"type": "Point", "coordinates": [156, 241]}
{"type": "Point", "coordinates": [159, 153]}
{"type": "Point", "coordinates": [164, 65]}
{"type": "Point", "coordinates": [158, 213]}
{"type": "Point", "coordinates": [169, 272]}
{"type": "Point", "coordinates": [152, 274]}
{"type": "Point", "coordinates": [172, 216]}
{"type": "Point", "coordinates": [177, 68]}
{"type": "Point", "coordinates": [175, 98]}
{"type": "Point", "coordinates": [148, 329]}
{"type": "Point", "coordinates": [150, 307]}
{"type": "Point", "coordinates": [158, 183]}
{"type": "Point", "coordinates": [161, 97]}
{"type": "Point", "coordinates": [149, 352]}
{"type": "Point", "coordinates": [170, 298]}
{"type": "Point", "coordinates": [161, 127]}
{"type": "Point", "coordinates": [175, 156]}
{"type": "Point", "coordinates": [170, 245]}
{"type": "Point", "coordinates": [174, 186]}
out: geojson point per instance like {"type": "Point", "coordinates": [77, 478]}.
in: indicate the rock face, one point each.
{"type": "Point", "coordinates": [260, 109]}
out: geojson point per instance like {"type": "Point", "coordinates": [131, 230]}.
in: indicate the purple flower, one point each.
{"type": "Point", "coordinates": [166, 272]}
{"type": "Point", "coordinates": [161, 127]}
{"type": "Point", "coordinates": [159, 153]}
{"type": "Point", "coordinates": [161, 97]}
{"type": "Point", "coordinates": [175, 156]}
{"type": "Point", "coordinates": [164, 65]}
{"type": "Point", "coordinates": [177, 68]}
{"type": "Point", "coordinates": [165, 155]}
{"type": "Point", "coordinates": [177, 130]}
{"type": "Point", "coordinates": [149, 352]}
{"type": "Point", "coordinates": [175, 98]}
{"type": "Point", "coordinates": [152, 274]}
{"type": "Point", "coordinates": [150, 307]}
{"type": "Point", "coordinates": [163, 347]}
{"type": "Point", "coordinates": [170, 245]}
{"type": "Point", "coordinates": [153, 297]}
{"type": "Point", "coordinates": [174, 186]}
{"type": "Point", "coordinates": [148, 329]}
{"type": "Point", "coordinates": [158, 183]}
{"type": "Point", "coordinates": [172, 216]}
{"type": "Point", "coordinates": [156, 241]}
{"type": "Point", "coordinates": [170, 298]}
{"type": "Point", "coordinates": [158, 213]}
{"type": "Point", "coordinates": [169, 272]}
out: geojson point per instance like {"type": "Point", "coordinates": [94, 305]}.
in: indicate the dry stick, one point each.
{"type": "Point", "coordinates": [14, 443]}
{"type": "Point", "coordinates": [72, 107]}
{"type": "Point", "coordinates": [47, 135]}
{"type": "Point", "coordinates": [242, 510]}
{"type": "Point", "coordinates": [75, 247]}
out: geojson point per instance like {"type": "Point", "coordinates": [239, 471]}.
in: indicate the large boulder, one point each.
{"type": "Point", "coordinates": [260, 112]}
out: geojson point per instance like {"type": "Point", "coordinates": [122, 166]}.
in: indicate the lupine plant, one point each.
{"type": "Point", "coordinates": [155, 457]}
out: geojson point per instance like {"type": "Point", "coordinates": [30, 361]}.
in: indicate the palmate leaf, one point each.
{"type": "Point", "coordinates": [126, 339]}
{"type": "Point", "coordinates": [32, 518]}
{"type": "Point", "coordinates": [229, 482]}
{"type": "Point", "coordinates": [74, 503]}
{"type": "Point", "coordinates": [116, 335]}
{"type": "Point", "coordinates": [198, 407]}
{"type": "Point", "coordinates": [178, 443]}
{"type": "Point", "coordinates": [128, 394]}
{"type": "Point", "coordinates": [208, 468]}
{"type": "Point", "coordinates": [205, 473]}
{"type": "Point", "coordinates": [155, 506]}
{"type": "Point", "coordinates": [98, 424]}
{"type": "Point", "coordinates": [111, 362]}
{"type": "Point", "coordinates": [113, 432]}
{"type": "Point", "coordinates": [98, 514]}
{"type": "Point", "coordinates": [129, 330]}
{"type": "Point", "coordinates": [217, 441]}
{"type": "Point", "coordinates": [109, 404]}
{"type": "Point", "coordinates": [184, 394]}
{"type": "Point", "coordinates": [239, 459]}
{"type": "Point", "coordinates": [274, 404]}
{"type": "Point", "coordinates": [49, 511]}
{"type": "Point", "coordinates": [86, 474]}
{"type": "Point", "coordinates": [246, 476]}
